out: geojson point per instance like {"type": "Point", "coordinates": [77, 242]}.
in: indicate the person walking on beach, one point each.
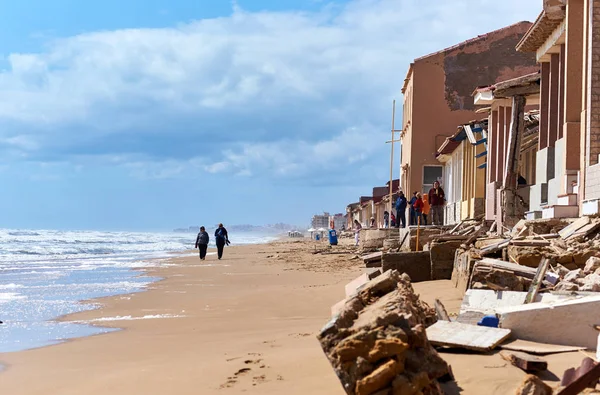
{"type": "Point", "coordinates": [357, 228]}
{"type": "Point", "coordinates": [412, 212]}
{"type": "Point", "coordinates": [437, 198]}
{"type": "Point", "coordinates": [202, 242]}
{"type": "Point", "coordinates": [221, 238]}
{"type": "Point", "coordinates": [401, 204]}
{"type": "Point", "coordinates": [418, 207]}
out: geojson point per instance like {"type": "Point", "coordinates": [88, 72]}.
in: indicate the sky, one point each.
{"type": "Point", "coordinates": [156, 114]}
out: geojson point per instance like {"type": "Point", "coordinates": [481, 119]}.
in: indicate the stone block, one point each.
{"type": "Point", "coordinates": [569, 323]}
{"type": "Point", "coordinates": [417, 265]}
{"type": "Point", "coordinates": [373, 272]}
{"type": "Point", "coordinates": [591, 265]}
{"type": "Point", "coordinates": [378, 344]}
{"type": "Point", "coordinates": [442, 259]}
{"type": "Point", "coordinates": [526, 256]}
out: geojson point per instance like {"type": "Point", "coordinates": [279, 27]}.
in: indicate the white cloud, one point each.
{"type": "Point", "coordinates": [336, 70]}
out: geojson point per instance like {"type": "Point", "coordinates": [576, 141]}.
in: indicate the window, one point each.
{"type": "Point", "coordinates": [431, 174]}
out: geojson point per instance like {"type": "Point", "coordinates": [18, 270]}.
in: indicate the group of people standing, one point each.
{"type": "Point", "coordinates": [419, 208]}
{"type": "Point", "coordinates": [221, 239]}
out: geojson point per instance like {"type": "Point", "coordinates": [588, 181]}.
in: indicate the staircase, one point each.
{"type": "Point", "coordinates": [567, 205]}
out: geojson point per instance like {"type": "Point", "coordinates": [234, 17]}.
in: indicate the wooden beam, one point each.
{"type": "Point", "coordinates": [584, 377]}
{"type": "Point", "coordinates": [524, 361]}
{"type": "Point", "coordinates": [539, 277]}
{"type": "Point", "coordinates": [514, 142]}
{"type": "Point", "coordinates": [518, 91]}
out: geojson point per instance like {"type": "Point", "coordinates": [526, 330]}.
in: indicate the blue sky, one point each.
{"type": "Point", "coordinates": [155, 114]}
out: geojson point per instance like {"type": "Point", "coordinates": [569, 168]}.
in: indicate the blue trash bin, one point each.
{"type": "Point", "coordinates": [333, 237]}
{"type": "Point", "coordinates": [317, 237]}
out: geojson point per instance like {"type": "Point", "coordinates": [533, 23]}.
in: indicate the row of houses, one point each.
{"type": "Point", "coordinates": [508, 122]}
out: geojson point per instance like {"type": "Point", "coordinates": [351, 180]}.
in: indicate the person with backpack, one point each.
{"type": "Point", "coordinates": [202, 242]}
{"type": "Point", "coordinates": [221, 239]}
{"type": "Point", "coordinates": [412, 212]}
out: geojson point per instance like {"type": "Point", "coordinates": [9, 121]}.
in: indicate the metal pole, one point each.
{"type": "Point", "coordinates": [392, 157]}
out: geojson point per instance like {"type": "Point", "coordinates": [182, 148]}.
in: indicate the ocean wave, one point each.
{"type": "Point", "coordinates": [130, 318]}
{"type": "Point", "coordinates": [23, 233]}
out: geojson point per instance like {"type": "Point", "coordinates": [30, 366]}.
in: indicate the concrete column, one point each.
{"type": "Point", "coordinates": [561, 90]}
{"type": "Point", "coordinates": [553, 105]}
{"type": "Point", "coordinates": [593, 130]}
{"type": "Point", "coordinates": [544, 106]}
{"type": "Point", "coordinates": [501, 136]}
{"type": "Point", "coordinates": [492, 146]}
{"type": "Point", "coordinates": [573, 86]}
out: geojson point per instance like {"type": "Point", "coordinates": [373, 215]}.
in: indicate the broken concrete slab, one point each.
{"type": "Point", "coordinates": [373, 272]}
{"type": "Point", "coordinates": [564, 322]}
{"type": "Point", "coordinates": [442, 259]}
{"type": "Point", "coordinates": [353, 285]}
{"type": "Point", "coordinates": [372, 260]}
{"type": "Point", "coordinates": [481, 302]}
{"type": "Point", "coordinates": [379, 343]}
{"type": "Point", "coordinates": [416, 264]}
{"type": "Point", "coordinates": [471, 337]}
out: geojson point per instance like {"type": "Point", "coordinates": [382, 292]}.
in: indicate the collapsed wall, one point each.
{"type": "Point", "coordinates": [377, 344]}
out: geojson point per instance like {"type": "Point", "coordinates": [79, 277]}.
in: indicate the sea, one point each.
{"type": "Point", "coordinates": [45, 274]}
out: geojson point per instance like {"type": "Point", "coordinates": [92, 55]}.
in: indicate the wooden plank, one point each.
{"type": "Point", "coordinates": [524, 361]}
{"type": "Point", "coordinates": [574, 227]}
{"type": "Point", "coordinates": [471, 337]}
{"type": "Point", "coordinates": [451, 238]}
{"type": "Point", "coordinates": [584, 231]}
{"type": "Point", "coordinates": [584, 379]}
{"type": "Point", "coordinates": [376, 256]}
{"type": "Point", "coordinates": [538, 348]}
{"type": "Point", "coordinates": [530, 243]}
{"type": "Point", "coordinates": [440, 311]}
{"type": "Point", "coordinates": [539, 277]}
{"type": "Point", "coordinates": [456, 227]}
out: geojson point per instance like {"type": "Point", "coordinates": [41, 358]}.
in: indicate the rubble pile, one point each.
{"type": "Point", "coordinates": [377, 343]}
{"type": "Point", "coordinates": [502, 263]}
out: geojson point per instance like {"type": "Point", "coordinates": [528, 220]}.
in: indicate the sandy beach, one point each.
{"type": "Point", "coordinates": [246, 324]}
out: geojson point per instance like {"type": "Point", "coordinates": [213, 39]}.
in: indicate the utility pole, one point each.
{"type": "Point", "coordinates": [392, 141]}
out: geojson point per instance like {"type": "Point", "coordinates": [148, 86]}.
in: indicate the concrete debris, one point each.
{"type": "Point", "coordinates": [378, 342]}
{"type": "Point", "coordinates": [567, 322]}
{"type": "Point", "coordinates": [416, 264]}
{"type": "Point", "coordinates": [470, 337]}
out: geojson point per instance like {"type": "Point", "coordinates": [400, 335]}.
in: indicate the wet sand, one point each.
{"type": "Point", "coordinates": [246, 324]}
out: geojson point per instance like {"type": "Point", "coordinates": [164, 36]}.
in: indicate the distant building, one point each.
{"type": "Point", "coordinates": [339, 220]}
{"type": "Point", "coordinates": [438, 96]}
{"type": "Point", "coordinates": [320, 221]}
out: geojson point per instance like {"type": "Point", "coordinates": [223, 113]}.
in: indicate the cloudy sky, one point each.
{"type": "Point", "coordinates": [155, 114]}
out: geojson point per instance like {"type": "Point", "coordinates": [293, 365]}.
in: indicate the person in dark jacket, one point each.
{"type": "Point", "coordinates": [202, 242]}
{"type": "Point", "coordinates": [413, 213]}
{"type": "Point", "coordinates": [401, 204]}
{"type": "Point", "coordinates": [437, 198]}
{"type": "Point", "coordinates": [221, 239]}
